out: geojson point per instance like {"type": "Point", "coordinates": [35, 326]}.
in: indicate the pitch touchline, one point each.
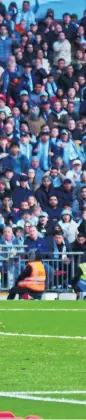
{"type": "Point", "coordinates": [50, 392]}
{"type": "Point", "coordinates": [61, 337]}
{"type": "Point", "coordinates": [48, 399]}
{"type": "Point", "coordinates": [43, 310]}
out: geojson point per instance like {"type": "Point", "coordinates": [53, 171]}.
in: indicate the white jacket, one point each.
{"type": "Point", "coordinates": [70, 230]}
{"type": "Point", "coordinates": [62, 50]}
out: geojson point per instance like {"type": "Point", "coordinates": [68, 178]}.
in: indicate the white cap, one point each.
{"type": "Point", "coordinates": [77, 162]}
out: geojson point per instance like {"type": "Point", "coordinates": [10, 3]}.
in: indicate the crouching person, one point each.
{"type": "Point", "coordinates": [31, 281]}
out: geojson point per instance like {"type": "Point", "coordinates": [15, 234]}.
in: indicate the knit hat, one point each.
{"type": "Point", "coordinates": [43, 214]}
{"type": "Point", "coordinates": [64, 131]}
{"type": "Point", "coordinates": [23, 92]}
{"type": "Point", "coordinates": [68, 212]}
{"type": "Point", "coordinates": [43, 94]}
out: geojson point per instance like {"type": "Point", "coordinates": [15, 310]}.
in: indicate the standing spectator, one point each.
{"type": "Point", "coordinates": [62, 49]}
{"type": "Point", "coordinates": [17, 160]}
{"type": "Point", "coordinates": [5, 44]}
{"type": "Point", "coordinates": [27, 14]}
{"type": "Point", "coordinates": [68, 226]}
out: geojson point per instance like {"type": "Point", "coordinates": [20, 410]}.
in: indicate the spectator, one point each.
{"type": "Point", "coordinates": [44, 191]}
{"type": "Point", "coordinates": [53, 209]}
{"type": "Point", "coordinates": [82, 222]}
{"type": "Point", "coordinates": [43, 224]}
{"type": "Point", "coordinates": [2, 9]}
{"type": "Point", "coordinates": [65, 193]}
{"type": "Point", "coordinates": [76, 171]}
{"type": "Point", "coordinates": [62, 49]}
{"type": "Point", "coordinates": [69, 28]}
{"type": "Point", "coordinates": [18, 161]}
{"type": "Point", "coordinates": [35, 121]}
{"type": "Point", "coordinates": [68, 226]}
{"type": "Point", "coordinates": [21, 192]}
{"type": "Point", "coordinates": [27, 15]}
{"type": "Point", "coordinates": [34, 243]}
{"type": "Point", "coordinates": [79, 245]}
{"type": "Point", "coordinates": [5, 44]}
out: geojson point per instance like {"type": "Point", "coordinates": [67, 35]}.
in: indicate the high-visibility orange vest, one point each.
{"type": "Point", "coordinates": [37, 279]}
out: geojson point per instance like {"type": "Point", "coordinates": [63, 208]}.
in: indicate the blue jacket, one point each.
{"type": "Point", "coordinates": [40, 245]}
{"type": "Point", "coordinates": [54, 214]}
{"type": "Point", "coordinates": [19, 165]}
{"type": "Point", "coordinates": [8, 76]}
{"type": "Point", "coordinates": [5, 48]}
{"type": "Point", "coordinates": [42, 196]}
{"type": "Point", "coordinates": [64, 196]}
{"type": "Point", "coordinates": [18, 195]}
{"type": "Point", "coordinates": [82, 154]}
{"type": "Point", "coordinates": [26, 82]}
{"type": "Point", "coordinates": [42, 154]}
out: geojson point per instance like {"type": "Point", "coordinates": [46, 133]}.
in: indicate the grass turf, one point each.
{"type": "Point", "coordinates": [43, 364]}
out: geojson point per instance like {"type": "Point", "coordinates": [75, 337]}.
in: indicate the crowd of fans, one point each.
{"type": "Point", "coordinates": [42, 131]}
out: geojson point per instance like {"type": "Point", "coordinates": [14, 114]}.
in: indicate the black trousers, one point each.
{"type": "Point", "coordinates": [21, 291]}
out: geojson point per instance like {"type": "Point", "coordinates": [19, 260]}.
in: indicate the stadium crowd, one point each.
{"type": "Point", "coordinates": [42, 132]}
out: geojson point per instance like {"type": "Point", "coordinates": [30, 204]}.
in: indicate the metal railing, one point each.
{"type": "Point", "coordinates": [59, 272]}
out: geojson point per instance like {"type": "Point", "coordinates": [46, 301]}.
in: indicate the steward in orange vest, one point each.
{"type": "Point", "coordinates": [31, 280]}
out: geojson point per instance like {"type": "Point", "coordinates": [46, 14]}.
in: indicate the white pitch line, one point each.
{"type": "Point", "coordinates": [43, 309]}
{"type": "Point", "coordinates": [60, 337]}
{"type": "Point", "coordinates": [49, 392]}
{"type": "Point", "coordinates": [48, 399]}
{"type": "Point", "coordinates": [52, 392]}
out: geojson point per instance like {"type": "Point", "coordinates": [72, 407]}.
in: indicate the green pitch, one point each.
{"type": "Point", "coordinates": [43, 364]}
